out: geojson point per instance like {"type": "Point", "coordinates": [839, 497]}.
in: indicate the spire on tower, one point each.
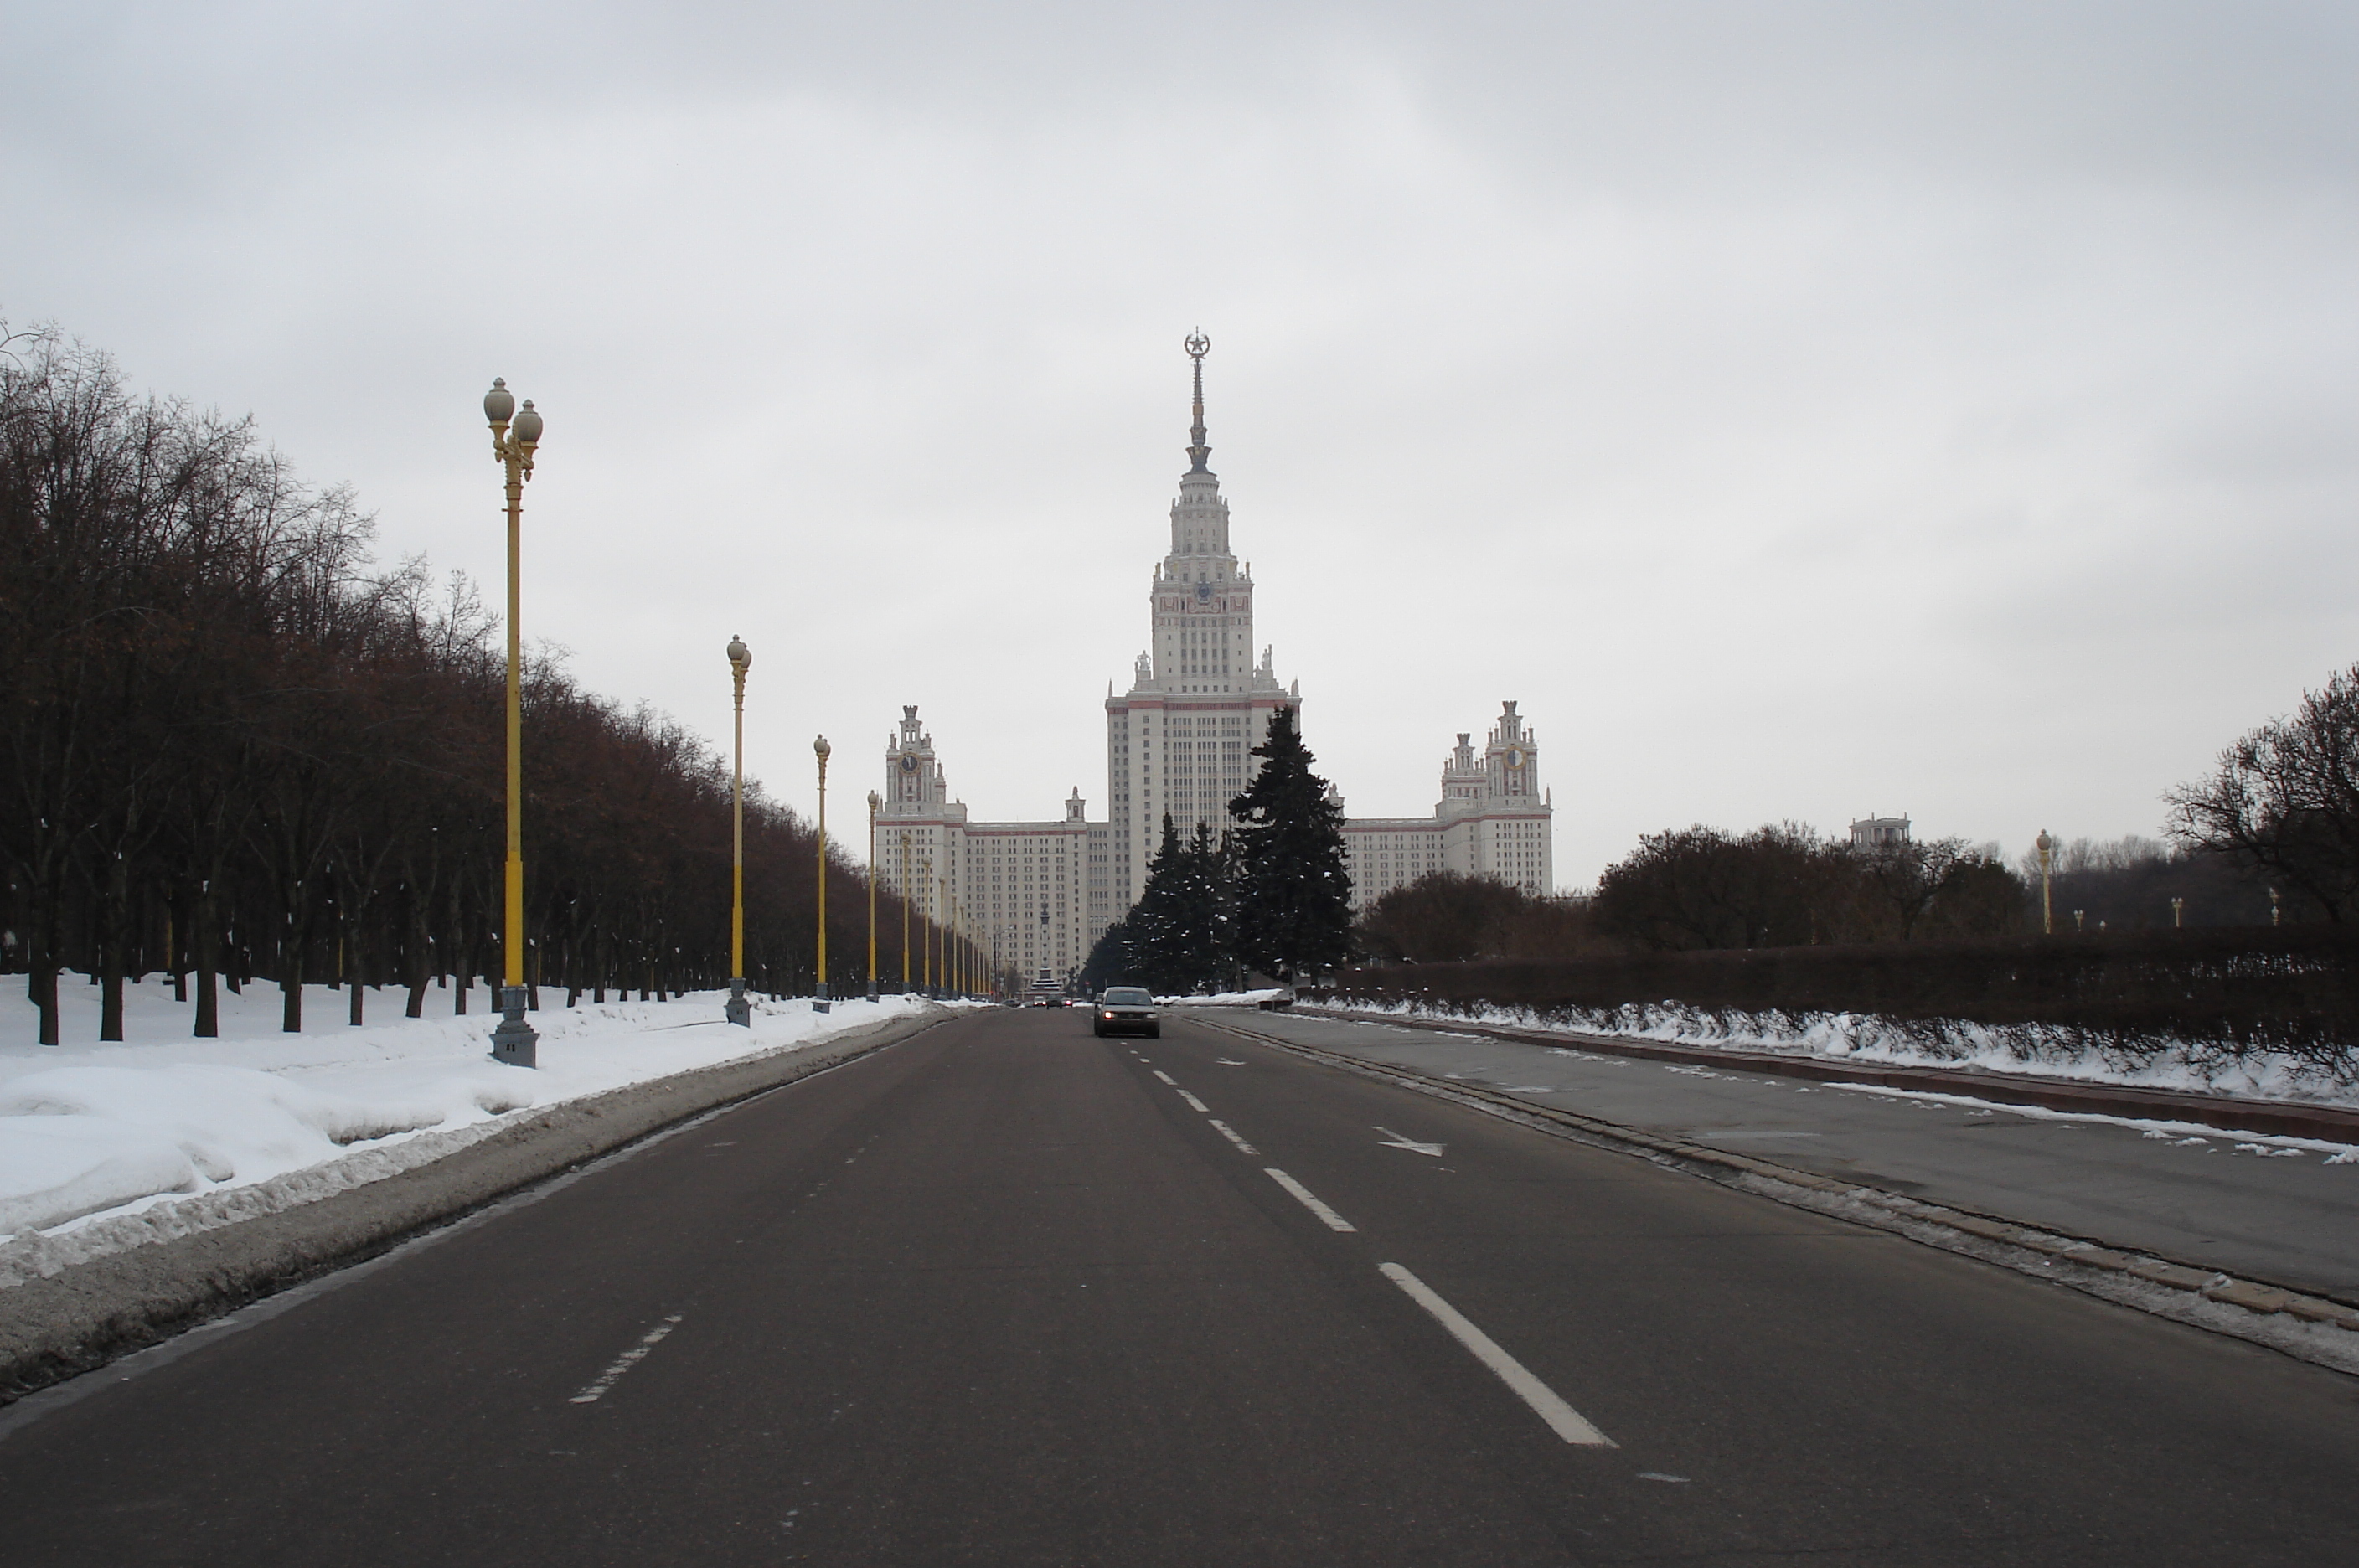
{"type": "Point", "coordinates": [1198, 346]}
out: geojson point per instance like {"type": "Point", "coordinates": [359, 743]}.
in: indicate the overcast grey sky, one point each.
{"type": "Point", "coordinates": [1801, 409]}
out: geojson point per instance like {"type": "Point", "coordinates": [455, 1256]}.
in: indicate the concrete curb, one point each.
{"type": "Point", "coordinates": [2319, 1330]}
{"type": "Point", "coordinates": [2268, 1117]}
{"type": "Point", "coordinates": [92, 1313]}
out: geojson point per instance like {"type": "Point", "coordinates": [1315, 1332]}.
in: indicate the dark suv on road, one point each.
{"type": "Point", "coordinates": [1126, 1009]}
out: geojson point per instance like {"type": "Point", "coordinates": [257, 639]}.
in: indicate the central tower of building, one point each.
{"type": "Point", "coordinates": [1179, 741]}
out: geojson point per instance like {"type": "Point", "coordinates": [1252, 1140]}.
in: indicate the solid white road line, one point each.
{"type": "Point", "coordinates": [1562, 1418]}
{"type": "Point", "coordinates": [1166, 1077]}
{"type": "Point", "coordinates": [1194, 1104]}
{"type": "Point", "coordinates": [625, 1362]}
{"type": "Point", "coordinates": [1334, 1221]}
{"type": "Point", "coordinates": [1231, 1137]}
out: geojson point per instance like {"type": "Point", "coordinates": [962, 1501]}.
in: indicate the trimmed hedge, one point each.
{"type": "Point", "coordinates": [2231, 991]}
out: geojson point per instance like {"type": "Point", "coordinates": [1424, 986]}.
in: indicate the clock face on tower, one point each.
{"type": "Point", "coordinates": [1204, 590]}
{"type": "Point", "coordinates": [1514, 759]}
{"type": "Point", "coordinates": [909, 763]}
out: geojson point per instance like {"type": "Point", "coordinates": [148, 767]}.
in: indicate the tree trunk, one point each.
{"type": "Point", "coordinates": [290, 986]}
{"type": "Point", "coordinates": [208, 956]}
{"type": "Point", "coordinates": [358, 976]}
{"type": "Point", "coordinates": [114, 918]}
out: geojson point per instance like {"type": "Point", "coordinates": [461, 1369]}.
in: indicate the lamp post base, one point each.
{"type": "Point", "coordinates": [515, 1042]}
{"type": "Point", "coordinates": [871, 993]}
{"type": "Point", "coordinates": [737, 1009]}
{"type": "Point", "coordinates": [819, 999]}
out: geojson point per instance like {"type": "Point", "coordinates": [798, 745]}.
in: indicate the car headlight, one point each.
{"type": "Point", "coordinates": [1106, 1016]}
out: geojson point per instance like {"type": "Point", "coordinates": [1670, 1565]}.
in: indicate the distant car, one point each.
{"type": "Point", "coordinates": [1126, 1009]}
{"type": "Point", "coordinates": [1049, 1001]}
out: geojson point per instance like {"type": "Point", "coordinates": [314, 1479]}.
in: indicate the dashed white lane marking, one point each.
{"type": "Point", "coordinates": [1334, 1221]}
{"type": "Point", "coordinates": [625, 1362]}
{"type": "Point", "coordinates": [1194, 1104]}
{"type": "Point", "coordinates": [1225, 1132]}
{"type": "Point", "coordinates": [1562, 1418]}
{"type": "Point", "coordinates": [1166, 1077]}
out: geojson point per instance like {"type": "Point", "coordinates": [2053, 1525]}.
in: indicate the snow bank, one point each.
{"type": "Point", "coordinates": [2196, 1066]}
{"type": "Point", "coordinates": [93, 1132]}
{"type": "Point", "coordinates": [1226, 998]}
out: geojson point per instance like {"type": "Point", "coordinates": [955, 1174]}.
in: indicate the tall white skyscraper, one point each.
{"type": "Point", "coordinates": [1180, 740]}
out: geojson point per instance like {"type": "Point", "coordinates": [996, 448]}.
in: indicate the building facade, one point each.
{"type": "Point", "coordinates": [1494, 820]}
{"type": "Point", "coordinates": [1016, 889]}
{"type": "Point", "coordinates": [1179, 741]}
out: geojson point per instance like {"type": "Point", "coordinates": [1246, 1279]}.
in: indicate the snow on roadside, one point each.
{"type": "Point", "coordinates": [162, 1134]}
{"type": "Point", "coordinates": [1224, 998]}
{"type": "Point", "coordinates": [1867, 1038]}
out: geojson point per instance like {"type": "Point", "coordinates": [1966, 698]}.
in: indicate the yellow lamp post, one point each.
{"type": "Point", "coordinates": [874, 800]}
{"type": "Point", "coordinates": [2047, 863]}
{"type": "Point", "coordinates": [943, 927]}
{"type": "Point", "coordinates": [903, 884]}
{"type": "Point", "coordinates": [926, 968]}
{"type": "Point", "coordinates": [819, 998]}
{"type": "Point", "coordinates": [515, 436]}
{"type": "Point", "coordinates": [737, 1009]}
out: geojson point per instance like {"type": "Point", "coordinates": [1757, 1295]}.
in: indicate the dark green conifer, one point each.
{"type": "Point", "coordinates": [1293, 896]}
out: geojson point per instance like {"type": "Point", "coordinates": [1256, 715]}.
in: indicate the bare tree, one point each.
{"type": "Point", "coordinates": [2285, 798]}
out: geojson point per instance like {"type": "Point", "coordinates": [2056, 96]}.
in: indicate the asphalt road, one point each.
{"type": "Point", "coordinates": [1002, 1294]}
{"type": "Point", "coordinates": [2214, 1199]}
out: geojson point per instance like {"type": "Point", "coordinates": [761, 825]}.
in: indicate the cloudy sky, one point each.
{"type": "Point", "coordinates": [1803, 410]}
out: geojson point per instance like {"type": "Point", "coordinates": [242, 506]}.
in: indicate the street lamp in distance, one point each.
{"type": "Point", "coordinates": [2047, 865]}
{"type": "Point", "coordinates": [738, 1010]}
{"type": "Point", "coordinates": [820, 749]}
{"type": "Point", "coordinates": [876, 802]}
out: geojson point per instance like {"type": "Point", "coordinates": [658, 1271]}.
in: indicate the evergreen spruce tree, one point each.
{"type": "Point", "coordinates": [1110, 962]}
{"type": "Point", "coordinates": [1202, 917]}
{"type": "Point", "coordinates": [1155, 924]}
{"type": "Point", "coordinates": [1293, 896]}
{"type": "Point", "coordinates": [1178, 939]}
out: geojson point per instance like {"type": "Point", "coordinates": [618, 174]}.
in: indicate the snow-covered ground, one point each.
{"type": "Point", "coordinates": [1224, 998]}
{"type": "Point", "coordinates": [1951, 1043]}
{"type": "Point", "coordinates": [91, 1133]}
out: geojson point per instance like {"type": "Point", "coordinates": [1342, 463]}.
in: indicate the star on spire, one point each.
{"type": "Point", "coordinates": [1198, 346]}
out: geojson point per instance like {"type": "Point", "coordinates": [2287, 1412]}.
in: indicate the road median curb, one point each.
{"type": "Point", "coordinates": [2319, 1330]}
{"type": "Point", "coordinates": [92, 1313]}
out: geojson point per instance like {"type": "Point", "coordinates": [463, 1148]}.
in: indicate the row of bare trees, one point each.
{"type": "Point", "coordinates": [235, 749]}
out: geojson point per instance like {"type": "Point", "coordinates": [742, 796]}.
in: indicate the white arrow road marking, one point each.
{"type": "Point", "coordinates": [1394, 1140]}
{"type": "Point", "coordinates": [625, 1362]}
{"type": "Point", "coordinates": [1229, 1134]}
{"type": "Point", "coordinates": [1162, 1074]}
{"type": "Point", "coordinates": [1195, 1103]}
{"type": "Point", "coordinates": [1334, 1221]}
{"type": "Point", "coordinates": [1562, 1418]}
